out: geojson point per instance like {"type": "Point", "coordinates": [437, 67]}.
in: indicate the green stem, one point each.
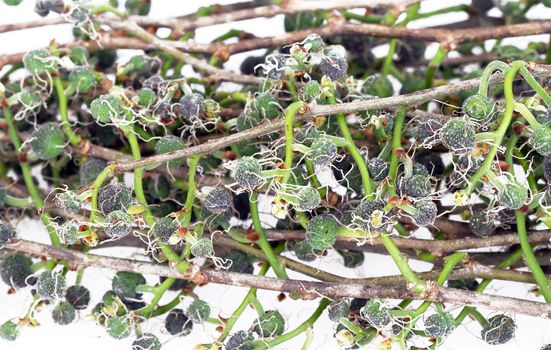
{"type": "Point", "coordinates": [354, 152]}
{"type": "Point", "coordinates": [28, 179]}
{"type": "Point", "coordinates": [263, 241]}
{"type": "Point", "coordinates": [73, 138]}
{"type": "Point", "coordinates": [530, 258]}
{"type": "Point", "coordinates": [301, 328]}
{"type": "Point", "coordinates": [435, 62]}
{"type": "Point", "coordinates": [396, 145]}
{"type": "Point", "coordinates": [487, 73]}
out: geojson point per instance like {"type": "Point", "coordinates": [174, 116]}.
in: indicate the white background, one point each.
{"type": "Point", "coordinates": [84, 334]}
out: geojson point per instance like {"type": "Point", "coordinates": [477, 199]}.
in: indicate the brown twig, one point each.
{"type": "Point", "coordinates": [306, 289]}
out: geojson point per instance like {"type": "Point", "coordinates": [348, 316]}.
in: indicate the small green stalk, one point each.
{"type": "Point", "coordinates": [263, 241]}
{"type": "Point", "coordinates": [73, 138]}
{"type": "Point", "coordinates": [435, 62]}
{"type": "Point", "coordinates": [300, 329]}
{"type": "Point", "coordinates": [396, 145]}
{"type": "Point", "coordinates": [28, 179]}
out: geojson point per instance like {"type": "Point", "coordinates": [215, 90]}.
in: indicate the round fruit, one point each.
{"type": "Point", "coordinates": [202, 248]}
{"type": "Point", "coordinates": [177, 323]}
{"type": "Point", "coordinates": [334, 63]}
{"type": "Point", "coordinates": [240, 340]}
{"type": "Point", "coordinates": [321, 232]}
{"type": "Point", "coordinates": [198, 311]}
{"type": "Point", "coordinates": [513, 195]}
{"type": "Point", "coordinates": [15, 269]}
{"type": "Point", "coordinates": [118, 224]}
{"type": "Point", "coordinates": [426, 213]}
{"type": "Point", "coordinates": [124, 285]}
{"type": "Point", "coordinates": [114, 197]}
{"type": "Point", "coordinates": [248, 173]}
{"type": "Point", "coordinates": [541, 140]}
{"type": "Point", "coordinates": [378, 169]}
{"type": "Point", "coordinates": [90, 170]}
{"type": "Point", "coordinates": [370, 216]}
{"type": "Point", "coordinates": [218, 200]}
{"type": "Point", "coordinates": [322, 152]}
{"type": "Point", "coordinates": [118, 327]}
{"type": "Point", "coordinates": [192, 105]}
{"type": "Point", "coordinates": [170, 143]}
{"type": "Point", "coordinates": [338, 309]}
{"type": "Point", "coordinates": [138, 7]}
{"type": "Point", "coordinates": [500, 330]}
{"type": "Point", "coordinates": [376, 313]}
{"type": "Point", "coordinates": [6, 233]}
{"type": "Point", "coordinates": [69, 201]}
{"type": "Point", "coordinates": [82, 80]}
{"type": "Point", "coordinates": [479, 108]}
{"type": "Point", "coordinates": [9, 331]}
{"type": "Point", "coordinates": [106, 108]}
{"type": "Point", "coordinates": [458, 135]}
{"type": "Point", "coordinates": [47, 141]}
{"type": "Point", "coordinates": [146, 341]}
{"type": "Point", "coordinates": [63, 313]}
{"type": "Point", "coordinates": [269, 324]}
{"type": "Point", "coordinates": [51, 285]}
{"type": "Point", "coordinates": [482, 224]}
{"type": "Point", "coordinates": [165, 228]}
{"type": "Point", "coordinates": [440, 325]}
{"type": "Point", "coordinates": [267, 106]}
{"type": "Point", "coordinates": [78, 296]}
{"type": "Point", "coordinates": [39, 62]}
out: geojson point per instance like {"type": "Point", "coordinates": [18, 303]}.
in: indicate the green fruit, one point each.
{"type": "Point", "coordinates": [63, 313]}
{"type": "Point", "coordinates": [15, 269]}
{"type": "Point", "coordinates": [9, 331]}
{"type": "Point", "coordinates": [248, 173]}
{"type": "Point", "coordinates": [376, 313]}
{"type": "Point", "coordinates": [114, 197]}
{"type": "Point", "coordinates": [541, 140]}
{"type": "Point", "coordinates": [248, 119]}
{"type": "Point", "coordinates": [269, 324]}
{"type": "Point", "coordinates": [513, 195]}
{"type": "Point", "coordinates": [124, 285]}
{"type": "Point", "coordinates": [51, 285]}
{"type": "Point", "coordinates": [240, 340]}
{"type": "Point", "coordinates": [69, 201]}
{"type": "Point", "coordinates": [78, 55]}
{"type": "Point", "coordinates": [482, 224]}
{"type": "Point", "coordinates": [322, 151]}
{"type": "Point", "coordinates": [82, 80]}
{"type": "Point", "coordinates": [312, 90]}
{"type": "Point", "coordinates": [39, 62]}
{"type": "Point", "coordinates": [165, 228]}
{"type": "Point", "coordinates": [118, 327]}
{"type": "Point", "coordinates": [313, 43]}
{"type": "Point", "coordinates": [68, 233]}
{"type": "Point", "coordinates": [378, 169]}
{"type": "Point", "coordinates": [202, 248]}
{"type": "Point", "coordinates": [307, 199]}
{"type": "Point", "coordinates": [6, 233]}
{"type": "Point", "coordinates": [198, 311]}
{"type": "Point", "coordinates": [138, 7]}
{"type": "Point", "coordinates": [334, 63]}
{"type": "Point", "coordinates": [78, 296]}
{"type": "Point", "coordinates": [500, 330]}
{"type": "Point", "coordinates": [90, 170]}
{"type": "Point", "coordinates": [370, 216]}
{"type": "Point", "coordinates": [240, 262]}
{"type": "Point", "coordinates": [458, 135]}
{"type": "Point", "coordinates": [12, 2]}
{"type": "Point", "coordinates": [146, 341]}
{"type": "Point", "coordinates": [170, 143]}
{"type": "Point", "coordinates": [304, 251]}
{"type": "Point", "coordinates": [426, 213]}
{"type": "Point", "coordinates": [440, 325]}
{"type": "Point", "coordinates": [267, 105]}
{"type": "Point", "coordinates": [107, 108]}
{"type": "Point", "coordinates": [147, 97]}
{"type": "Point", "coordinates": [30, 99]}
{"type": "Point", "coordinates": [218, 200]}
{"type": "Point", "coordinates": [338, 309]}
{"type": "Point", "coordinates": [47, 141]}
{"type": "Point", "coordinates": [118, 224]}
{"type": "Point", "coordinates": [479, 108]}
{"type": "Point", "coordinates": [177, 323]}
{"type": "Point", "coordinates": [321, 232]}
